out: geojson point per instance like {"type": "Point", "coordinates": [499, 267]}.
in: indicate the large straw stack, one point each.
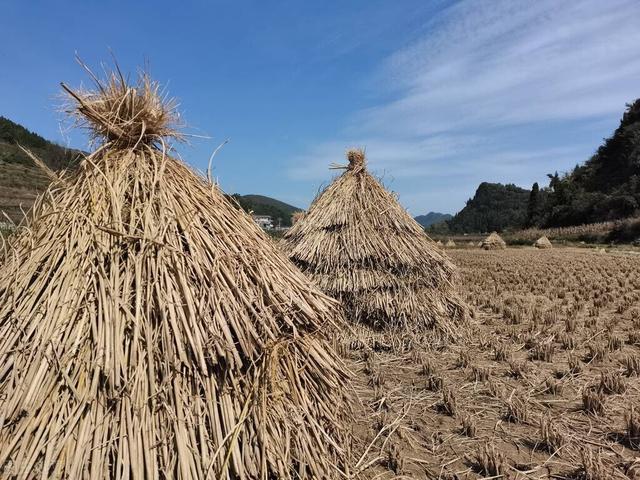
{"type": "Point", "coordinates": [493, 242]}
{"type": "Point", "coordinates": [543, 243]}
{"type": "Point", "coordinates": [148, 329]}
{"type": "Point", "coordinates": [363, 248]}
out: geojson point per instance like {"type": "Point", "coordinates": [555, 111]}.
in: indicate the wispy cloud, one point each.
{"type": "Point", "coordinates": [484, 91]}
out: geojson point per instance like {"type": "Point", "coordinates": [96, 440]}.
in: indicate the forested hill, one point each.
{"type": "Point", "coordinates": [493, 207]}
{"type": "Point", "coordinates": [431, 218]}
{"type": "Point", "coordinates": [606, 187]}
{"type": "Point", "coordinates": [20, 179]}
{"type": "Point", "coordinates": [13, 134]}
{"type": "Point", "coordinates": [262, 205]}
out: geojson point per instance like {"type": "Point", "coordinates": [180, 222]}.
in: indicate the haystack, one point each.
{"type": "Point", "coordinates": [360, 246]}
{"type": "Point", "coordinates": [450, 244]}
{"type": "Point", "coordinates": [493, 242]}
{"type": "Point", "coordinates": [543, 242]}
{"type": "Point", "coordinates": [148, 329]}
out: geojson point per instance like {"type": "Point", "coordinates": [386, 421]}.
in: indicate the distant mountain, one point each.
{"type": "Point", "coordinates": [20, 179]}
{"type": "Point", "coordinates": [262, 205]}
{"type": "Point", "coordinates": [493, 207]}
{"type": "Point", "coordinates": [431, 218]}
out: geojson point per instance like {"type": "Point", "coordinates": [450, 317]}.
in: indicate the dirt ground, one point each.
{"type": "Point", "coordinates": [543, 384]}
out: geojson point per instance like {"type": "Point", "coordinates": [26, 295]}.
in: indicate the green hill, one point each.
{"type": "Point", "coordinates": [262, 205]}
{"type": "Point", "coordinates": [606, 187]}
{"type": "Point", "coordinates": [20, 179]}
{"type": "Point", "coordinates": [493, 207]}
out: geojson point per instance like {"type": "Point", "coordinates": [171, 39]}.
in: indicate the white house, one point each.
{"type": "Point", "coordinates": [264, 221]}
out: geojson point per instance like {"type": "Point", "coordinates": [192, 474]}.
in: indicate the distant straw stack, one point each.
{"type": "Point", "coordinates": [493, 242]}
{"type": "Point", "coordinates": [450, 244]}
{"type": "Point", "coordinates": [148, 329]}
{"type": "Point", "coordinates": [542, 243]}
{"type": "Point", "coordinates": [363, 248]}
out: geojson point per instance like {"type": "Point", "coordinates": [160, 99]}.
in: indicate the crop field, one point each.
{"type": "Point", "coordinates": [543, 384]}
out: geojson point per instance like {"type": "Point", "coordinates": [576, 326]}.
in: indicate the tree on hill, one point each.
{"type": "Point", "coordinates": [534, 203]}
{"type": "Point", "coordinates": [11, 132]}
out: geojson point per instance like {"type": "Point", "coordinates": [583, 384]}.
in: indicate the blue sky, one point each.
{"type": "Point", "coordinates": [442, 94]}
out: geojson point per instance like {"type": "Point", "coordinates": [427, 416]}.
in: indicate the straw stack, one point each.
{"type": "Point", "coordinates": [493, 242]}
{"type": "Point", "coordinates": [450, 244]}
{"type": "Point", "coordinates": [543, 242]}
{"type": "Point", "coordinates": [148, 329]}
{"type": "Point", "coordinates": [360, 246]}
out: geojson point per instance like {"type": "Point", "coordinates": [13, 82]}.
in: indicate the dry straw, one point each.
{"type": "Point", "coordinates": [493, 242]}
{"type": "Point", "coordinates": [297, 216]}
{"type": "Point", "coordinates": [148, 329]}
{"type": "Point", "coordinates": [359, 244]}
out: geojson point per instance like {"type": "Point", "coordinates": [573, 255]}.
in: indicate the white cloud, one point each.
{"type": "Point", "coordinates": [480, 94]}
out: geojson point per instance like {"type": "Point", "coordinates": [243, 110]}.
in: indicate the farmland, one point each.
{"type": "Point", "coordinates": [542, 384]}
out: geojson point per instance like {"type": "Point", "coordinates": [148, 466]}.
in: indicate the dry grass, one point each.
{"type": "Point", "coordinates": [552, 438]}
{"type": "Point", "coordinates": [125, 115]}
{"type": "Point", "coordinates": [490, 462]}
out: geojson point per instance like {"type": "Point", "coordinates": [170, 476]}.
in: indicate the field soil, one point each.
{"type": "Point", "coordinates": [543, 382]}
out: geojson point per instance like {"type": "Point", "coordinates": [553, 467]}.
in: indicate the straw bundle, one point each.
{"type": "Point", "coordinates": [297, 216]}
{"type": "Point", "coordinates": [493, 242]}
{"type": "Point", "coordinates": [450, 244]}
{"type": "Point", "coordinates": [148, 329]}
{"type": "Point", "coordinates": [360, 246]}
{"type": "Point", "coordinates": [543, 242]}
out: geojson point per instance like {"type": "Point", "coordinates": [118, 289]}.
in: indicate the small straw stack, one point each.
{"type": "Point", "coordinates": [148, 329]}
{"type": "Point", "coordinates": [493, 242]}
{"type": "Point", "coordinates": [543, 243]}
{"type": "Point", "coordinates": [360, 246]}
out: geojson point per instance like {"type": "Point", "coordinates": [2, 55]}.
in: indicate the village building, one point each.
{"type": "Point", "coordinates": [263, 221]}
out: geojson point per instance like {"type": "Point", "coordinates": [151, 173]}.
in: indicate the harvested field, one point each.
{"type": "Point", "coordinates": [545, 385]}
